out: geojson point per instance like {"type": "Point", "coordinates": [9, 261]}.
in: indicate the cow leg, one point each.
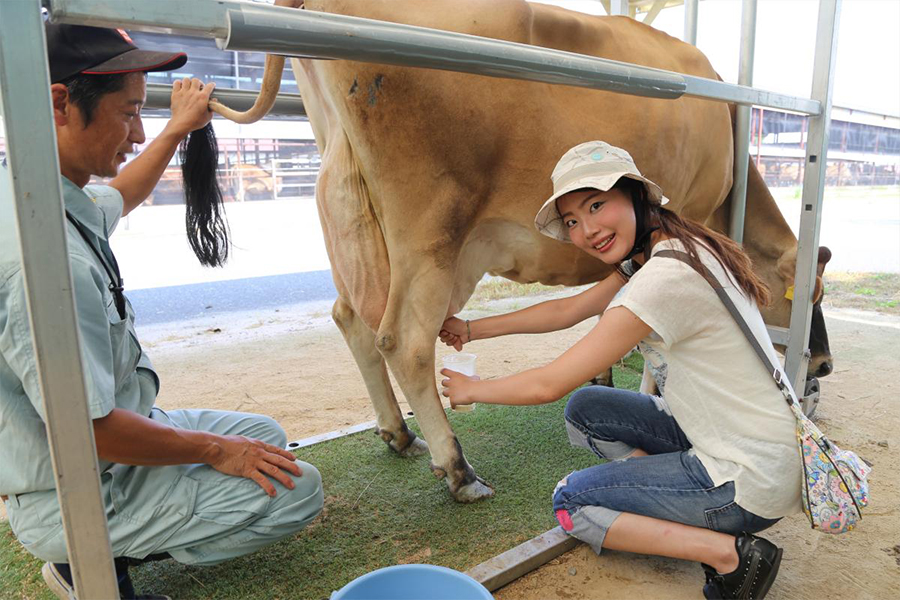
{"type": "Point", "coordinates": [361, 340]}
{"type": "Point", "coordinates": [605, 378]}
{"type": "Point", "coordinates": [406, 338]}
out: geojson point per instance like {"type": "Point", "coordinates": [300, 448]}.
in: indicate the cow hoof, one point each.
{"type": "Point", "coordinates": [437, 471]}
{"type": "Point", "coordinates": [406, 443]}
{"type": "Point", "coordinates": [418, 447]}
{"type": "Point", "coordinates": [473, 492]}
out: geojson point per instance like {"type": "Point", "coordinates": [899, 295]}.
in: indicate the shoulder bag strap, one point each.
{"type": "Point", "coordinates": [776, 372]}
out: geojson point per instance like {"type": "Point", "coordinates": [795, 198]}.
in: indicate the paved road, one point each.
{"type": "Point", "coordinates": [184, 302]}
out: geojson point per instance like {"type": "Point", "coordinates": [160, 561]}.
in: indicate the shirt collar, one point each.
{"type": "Point", "coordinates": [83, 208]}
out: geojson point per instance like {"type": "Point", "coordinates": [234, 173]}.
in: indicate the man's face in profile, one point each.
{"type": "Point", "coordinates": [99, 147]}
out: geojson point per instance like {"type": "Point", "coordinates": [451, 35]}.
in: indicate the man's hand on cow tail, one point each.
{"type": "Point", "coordinates": [190, 105]}
{"type": "Point", "coordinates": [253, 459]}
{"type": "Point", "coordinates": [454, 333]}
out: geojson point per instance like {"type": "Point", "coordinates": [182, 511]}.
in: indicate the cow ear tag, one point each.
{"type": "Point", "coordinates": [789, 293]}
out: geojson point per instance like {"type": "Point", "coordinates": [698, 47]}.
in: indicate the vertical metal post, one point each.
{"type": "Point", "coordinates": [690, 21]}
{"type": "Point", "coordinates": [274, 178]}
{"type": "Point", "coordinates": [240, 170]}
{"type": "Point", "coordinates": [738, 198]}
{"type": "Point", "coordinates": [618, 7]}
{"type": "Point", "coordinates": [797, 356]}
{"type": "Point", "coordinates": [237, 72]}
{"type": "Point", "coordinates": [759, 134]}
{"type": "Point", "coordinates": [32, 155]}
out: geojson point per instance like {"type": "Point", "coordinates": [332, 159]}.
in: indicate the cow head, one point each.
{"type": "Point", "coordinates": [779, 310]}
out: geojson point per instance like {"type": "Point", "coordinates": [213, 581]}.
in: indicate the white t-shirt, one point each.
{"type": "Point", "coordinates": [718, 390]}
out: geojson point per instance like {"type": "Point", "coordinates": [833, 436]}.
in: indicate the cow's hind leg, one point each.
{"type": "Point", "coordinates": [361, 340]}
{"type": "Point", "coordinates": [406, 338]}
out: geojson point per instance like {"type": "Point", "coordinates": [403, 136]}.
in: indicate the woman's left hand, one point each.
{"type": "Point", "coordinates": [458, 387]}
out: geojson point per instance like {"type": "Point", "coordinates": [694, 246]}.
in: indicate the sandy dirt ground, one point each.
{"type": "Point", "coordinates": [859, 410]}
{"type": "Point", "coordinates": [296, 368]}
{"type": "Point", "coordinates": [293, 365]}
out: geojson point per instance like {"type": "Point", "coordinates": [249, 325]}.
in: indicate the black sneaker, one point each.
{"type": "Point", "coordinates": [758, 562]}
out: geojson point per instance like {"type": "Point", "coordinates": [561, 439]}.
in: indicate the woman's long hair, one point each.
{"type": "Point", "coordinates": [728, 253]}
{"type": "Point", "coordinates": [204, 218]}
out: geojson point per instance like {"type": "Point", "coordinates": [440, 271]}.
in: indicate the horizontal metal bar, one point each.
{"type": "Point", "coordinates": [331, 435]}
{"type": "Point", "coordinates": [700, 87]}
{"type": "Point", "coordinates": [257, 28]}
{"type": "Point", "coordinates": [198, 18]}
{"type": "Point", "coordinates": [159, 95]}
{"type": "Point", "coordinates": [263, 28]}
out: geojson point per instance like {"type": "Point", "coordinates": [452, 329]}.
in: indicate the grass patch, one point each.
{"type": "Point", "coordinates": [381, 510]}
{"type": "Point", "coordinates": [851, 193]}
{"type": "Point", "coordinates": [863, 291]}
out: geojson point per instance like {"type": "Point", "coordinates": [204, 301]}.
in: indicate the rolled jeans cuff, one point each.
{"type": "Point", "coordinates": [588, 523]}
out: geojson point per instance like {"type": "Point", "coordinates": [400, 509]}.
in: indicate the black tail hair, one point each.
{"type": "Point", "coordinates": [204, 219]}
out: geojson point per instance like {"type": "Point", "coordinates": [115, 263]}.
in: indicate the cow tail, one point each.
{"type": "Point", "coordinates": [207, 230]}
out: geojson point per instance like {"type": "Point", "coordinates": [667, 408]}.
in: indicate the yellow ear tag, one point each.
{"type": "Point", "coordinates": [789, 293]}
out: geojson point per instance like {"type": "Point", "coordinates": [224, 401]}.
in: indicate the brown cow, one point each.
{"type": "Point", "coordinates": [430, 179]}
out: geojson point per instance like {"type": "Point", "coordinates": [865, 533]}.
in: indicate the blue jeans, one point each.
{"type": "Point", "coordinates": [670, 484]}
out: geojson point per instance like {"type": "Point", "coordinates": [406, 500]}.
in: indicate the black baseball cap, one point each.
{"type": "Point", "coordinates": [74, 49]}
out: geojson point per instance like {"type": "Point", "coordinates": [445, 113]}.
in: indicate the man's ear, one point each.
{"type": "Point", "coordinates": [62, 108]}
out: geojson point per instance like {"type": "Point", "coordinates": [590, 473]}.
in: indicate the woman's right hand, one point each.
{"type": "Point", "coordinates": [454, 333]}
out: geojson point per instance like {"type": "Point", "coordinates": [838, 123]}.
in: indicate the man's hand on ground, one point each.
{"type": "Point", "coordinates": [246, 457]}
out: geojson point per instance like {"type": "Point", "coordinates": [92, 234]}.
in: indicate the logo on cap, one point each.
{"type": "Point", "coordinates": [125, 35]}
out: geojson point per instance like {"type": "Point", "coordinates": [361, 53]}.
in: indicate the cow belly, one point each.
{"type": "Point", "coordinates": [516, 252]}
{"type": "Point", "coordinates": [353, 238]}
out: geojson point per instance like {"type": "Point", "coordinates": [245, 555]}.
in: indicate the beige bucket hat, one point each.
{"type": "Point", "coordinates": [589, 165]}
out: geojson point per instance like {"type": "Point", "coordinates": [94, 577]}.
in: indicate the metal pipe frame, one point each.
{"type": "Point", "coordinates": [738, 195]}
{"type": "Point", "coordinates": [797, 355]}
{"type": "Point", "coordinates": [307, 33]}
{"type": "Point", "coordinates": [618, 8]}
{"type": "Point", "coordinates": [691, 11]}
{"type": "Point", "coordinates": [159, 95]}
{"type": "Point", "coordinates": [40, 225]}
{"type": "Point", "coordinates": [39, 200]}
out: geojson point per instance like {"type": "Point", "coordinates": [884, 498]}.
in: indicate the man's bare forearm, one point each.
{"type": "Point", "coordinates": [137, 179]}
{"type": "Point", "coordinates": [128, 438]}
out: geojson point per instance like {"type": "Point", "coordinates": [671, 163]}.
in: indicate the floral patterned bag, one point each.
{"type": "Point", "coordinates": [834, 486]}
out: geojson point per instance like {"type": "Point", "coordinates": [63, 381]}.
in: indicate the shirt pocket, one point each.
{"type": "Point", "coordinates": [151, 504]}
{"type": "Point", "coordinates": [37, 523]}
{"type": "Point", "coordinates": [126, 351]}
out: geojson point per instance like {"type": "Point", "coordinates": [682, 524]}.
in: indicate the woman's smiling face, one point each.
{"type": "Point", "coordinates": [600, 223]}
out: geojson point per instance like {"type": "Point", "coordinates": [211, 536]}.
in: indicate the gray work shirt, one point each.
{"type": "Point", "coordinates": [117, 373]}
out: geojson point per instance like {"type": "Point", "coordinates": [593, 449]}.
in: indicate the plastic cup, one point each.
{"type": "Point", "coordinates": [462, 362]}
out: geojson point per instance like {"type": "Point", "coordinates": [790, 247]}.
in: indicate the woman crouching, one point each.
{"type": "Point", "coordinates": [694, 472]}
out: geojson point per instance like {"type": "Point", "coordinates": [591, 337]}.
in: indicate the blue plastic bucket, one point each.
{"type": "Point", "coordinates": [413, 582]}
